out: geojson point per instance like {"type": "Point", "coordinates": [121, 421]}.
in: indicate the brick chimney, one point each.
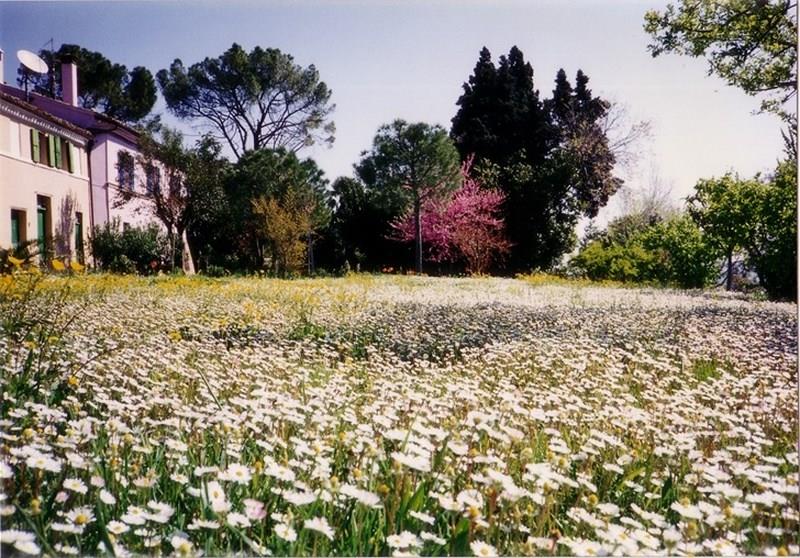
{"type": "Point", "coordinates": [69, 82]}
{"type": "Point", "coordinates": [2, 64]}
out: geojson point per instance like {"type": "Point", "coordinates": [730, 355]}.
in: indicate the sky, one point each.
{"type": "Point", "coordinates": [408, 59]}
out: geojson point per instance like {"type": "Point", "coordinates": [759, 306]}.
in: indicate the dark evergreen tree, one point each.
{"type": "Point", "coordinates": [551, 158]}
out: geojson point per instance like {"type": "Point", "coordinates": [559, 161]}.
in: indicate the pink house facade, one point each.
{"type": "Point", "coordinates": [100, 150]}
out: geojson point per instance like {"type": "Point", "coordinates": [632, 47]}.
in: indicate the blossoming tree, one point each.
{"type": "Point", "coordinates": [466, 226]}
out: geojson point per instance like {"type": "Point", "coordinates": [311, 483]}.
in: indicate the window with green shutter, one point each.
{"type": "Point", "coordinates": [35, 145]}
{"type": "Point", "coordinates": [57, 148]}
{"type": "Point", "coordinates": [51, 150]}
{"type": "Point", "coordinates": [71, 157]}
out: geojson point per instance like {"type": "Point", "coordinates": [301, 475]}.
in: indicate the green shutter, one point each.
{"type": "Point", "coordinates": [51, 150]}
{"type": "Point", "coordinates": [35, 145]}
{"type": "Point", "coordinates": [57, 145]}
{"type": "Point", "coordinates": [71, 157]}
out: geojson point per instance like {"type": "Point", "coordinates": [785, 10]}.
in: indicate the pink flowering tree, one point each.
{"type": "Point", "coordinates": [467, 225]}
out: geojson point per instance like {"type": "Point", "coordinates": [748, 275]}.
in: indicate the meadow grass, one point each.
{"type": "Point", "coordinates": [376, 415]}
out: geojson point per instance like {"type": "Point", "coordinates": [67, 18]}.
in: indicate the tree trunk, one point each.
{"type": "Point", "coordinates": [418, 235]}
{"type": "Point", "coordinates": [187, 262]}
{"type": "Point", "coordinates": [729, 278]}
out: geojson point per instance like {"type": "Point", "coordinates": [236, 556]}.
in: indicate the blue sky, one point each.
{"type": "Point", "coordinates": [390, 59]}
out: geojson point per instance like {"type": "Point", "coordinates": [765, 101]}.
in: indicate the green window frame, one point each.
{"type": "Point", "coordinates": [35, 148]}
{"type": "Point", "coordinates": [51, 150]}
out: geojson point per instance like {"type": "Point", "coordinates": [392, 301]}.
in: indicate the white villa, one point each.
{"type": "Point", "coordinates": [61, 167]}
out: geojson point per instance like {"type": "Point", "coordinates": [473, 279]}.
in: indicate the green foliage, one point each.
{"type": "Point", "coordinates": [751, 44]}
{"type": "Point", "coordinates": [254, 100]}
{"type": "Point", "coordinates": [209, 226]}
{"type": "Point", "coordinates": [102, 85]}
{"type": "Point", "coordinates": [646, 250]}
{"type": "Point", "coordinates": [298, 188]}
{"type": "Point", "coordinates": [682, 255]}
{"type": "Point", "coordinates": [757, 217]}
{"type": "Point", "coordinates": [706, 370]}
{"type": "Point", "coordinates": [772, 247]}
{"type": "Point", "coordinates": [133, 250]}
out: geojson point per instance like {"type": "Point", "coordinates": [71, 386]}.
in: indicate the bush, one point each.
{"type": "Point", "coordinates": [772, 247]}
{"type": "Point", "coordinates": [670, 252]}
{"type": "Point", "coordinates": [133, 250]}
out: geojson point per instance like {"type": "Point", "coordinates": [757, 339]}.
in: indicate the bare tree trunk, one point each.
{"type": "Point", "coordinates": [186, 259]}
{"type": "Point", "coordinates": [418, 234]}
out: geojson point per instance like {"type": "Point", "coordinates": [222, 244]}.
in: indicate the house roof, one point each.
{"type": "Point", "coordinates": [33, 109]}
{"type": "Point", "coordinates": [83, 118]}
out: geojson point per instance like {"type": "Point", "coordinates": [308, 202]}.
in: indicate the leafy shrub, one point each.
{"type": "Point", "coordinates": [772, 248]}
{"type": "Point", "coordinates": [133, 250]}
{"type": "Point", "coordinates": [668, 252]}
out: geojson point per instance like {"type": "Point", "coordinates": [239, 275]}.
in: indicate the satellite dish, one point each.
{"type": "Point", "coordinates": [32, 62]}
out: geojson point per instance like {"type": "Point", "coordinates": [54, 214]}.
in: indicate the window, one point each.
{"type": "Point", "coordinates": [42, 148]}
{"type": "Point", "coordinates": [51, 150]}
{"type": "Point", "coordinates": [18, 226]}
{"type": "Point", "coordinates": [64, 155]}
{"type": "Point", "coordinates": [153, 179]}
{"type": "Point", "coordinates": [43, 226]}
{"type": "Point", "coordinates": [125, 168]}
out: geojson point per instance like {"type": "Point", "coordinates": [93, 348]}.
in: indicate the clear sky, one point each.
{"type": "Point", "coordinates": [408, 59]}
